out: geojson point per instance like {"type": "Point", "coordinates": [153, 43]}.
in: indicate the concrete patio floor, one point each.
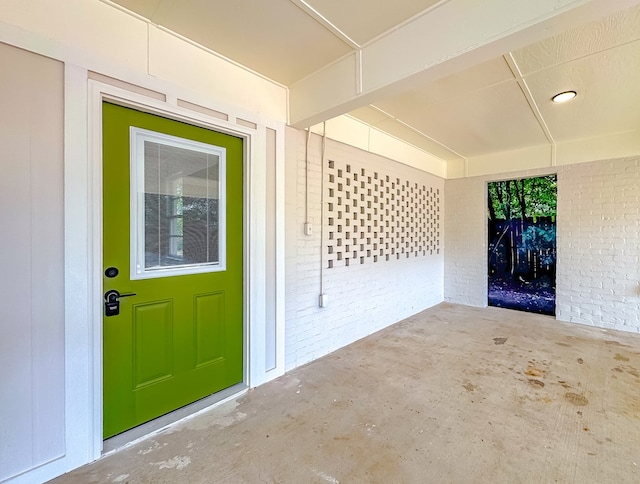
{"type": "Point", "coordinates": [452, 394]}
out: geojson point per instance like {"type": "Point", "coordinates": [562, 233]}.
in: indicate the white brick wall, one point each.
{"type": "Point", "coordinates": [363, 298]}
{"type": "Point", "coordinates": [599, 244]}
{"type": "Point", "coordinates": [465, 267]}
{"type": "Point", "coordinates": [598, 237]}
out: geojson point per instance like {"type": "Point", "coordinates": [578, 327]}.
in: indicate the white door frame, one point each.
{"type": "Point", "coordinates": [254, 223]}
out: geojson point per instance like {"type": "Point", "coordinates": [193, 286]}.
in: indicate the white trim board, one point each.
{"type": "Point", "coordinates": [83, 252]}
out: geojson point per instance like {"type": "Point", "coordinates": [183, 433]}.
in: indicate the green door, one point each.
{"type": "Point", "coordinates": [172, 237]}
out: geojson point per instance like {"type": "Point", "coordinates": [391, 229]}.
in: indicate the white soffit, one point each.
{"type": "Point", "coordinates": [611, 31]}
{"type": "Point", "coordinates": [370, 115]}
{"type": "Point", "coordinates": [451, 87]}
{"type": "Point", "coordinates": [484, 108]}
{"type": "Point", "coordinates": [275, 37]}
{"type": "Point", "coordinates": [601, 61]}
{"type": "Point", "coordinates": [145, 8]}
{"type": "Point", "coordinates": [478, 111]}
{"type": "Point", "coordinates": [470, 114]}
{"type": "Point", "coordinates": [497, 118]}
{"type": "Point", "coordinates": [431, 46]}
{"type": "Point", "coordinates": [384, 122]}
{"type": "Point", "coordinates": [608, 101]}
{"type": "Point", "coordinates": [363, 20]}
{"type": "Point", "coordinates": [400, 130]}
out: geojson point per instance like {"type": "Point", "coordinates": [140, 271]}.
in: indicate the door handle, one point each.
{"type": "Point", "coordinates": [112, 302]}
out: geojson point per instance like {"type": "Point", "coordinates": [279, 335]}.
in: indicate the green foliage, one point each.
{"type": "Point", "coordinates": [535, 238]}
{"type": "Point", "coordinates": [525, 198]}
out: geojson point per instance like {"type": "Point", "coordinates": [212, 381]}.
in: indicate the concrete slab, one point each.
{"type": "Point", "coordinates": [452, 394]}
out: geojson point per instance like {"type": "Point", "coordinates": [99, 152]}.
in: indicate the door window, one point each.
{"type": "Point", "coordinates": [177, 206]}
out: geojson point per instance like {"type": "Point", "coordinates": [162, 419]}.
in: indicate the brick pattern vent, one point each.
{"type": "Point", "coordinates": [372, 216]}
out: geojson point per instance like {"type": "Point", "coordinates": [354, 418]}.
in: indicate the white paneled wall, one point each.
{"type": "Point", "coordinates": [369, 291]}
{"type": "Point", "coordinates": [96, 41]}
{"type": "Point", "coordinates": [94, 35]}
{"type": "Point", "coordinates": [598, 229]}
{"type": "Point", "coordinates": [32, 394]}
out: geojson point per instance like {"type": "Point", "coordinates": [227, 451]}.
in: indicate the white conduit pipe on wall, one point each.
{"type": "Point", "coordinates": [306, 179]}
{"type": "Point", "coordinates": [323, 297]}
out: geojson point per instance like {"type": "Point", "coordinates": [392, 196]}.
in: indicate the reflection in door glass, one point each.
{"type": "Point", "coordinates": [178, 217]}
{"type": "Point", "coordinates": [181, 206]}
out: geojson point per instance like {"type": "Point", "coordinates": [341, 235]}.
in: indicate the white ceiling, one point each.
{"type": "Point", "coordinates": [490, 106]}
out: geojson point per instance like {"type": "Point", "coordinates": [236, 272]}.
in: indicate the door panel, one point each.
{"type": "Point", "coordinates": [209, 330]}
{"type": "Point", "coordinates": [152, 343]}
{"type": "Point", "coordinates": [176, 241]}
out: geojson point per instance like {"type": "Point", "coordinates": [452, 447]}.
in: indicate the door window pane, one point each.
{"type": "Point", "coordinates": [177, 205]}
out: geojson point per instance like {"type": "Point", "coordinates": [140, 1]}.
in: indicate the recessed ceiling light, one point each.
{"type": "Point", "coordinates": [563, 97]}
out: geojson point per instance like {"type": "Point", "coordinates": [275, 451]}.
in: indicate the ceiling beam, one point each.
{"type": "Point", "coordinates": [456, 35]}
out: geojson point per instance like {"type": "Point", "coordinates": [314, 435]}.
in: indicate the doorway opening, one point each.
{"type": "Point", "coordinates": [522, 244]}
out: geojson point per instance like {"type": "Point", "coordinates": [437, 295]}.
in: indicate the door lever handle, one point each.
{"type": "Point", "coordinates": [112, 302]}
{"type": "Point", "coordinates": [113, 295]}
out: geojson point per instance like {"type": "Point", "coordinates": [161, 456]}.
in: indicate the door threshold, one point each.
{"type": "Point", "coordinates": [155, 426]}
